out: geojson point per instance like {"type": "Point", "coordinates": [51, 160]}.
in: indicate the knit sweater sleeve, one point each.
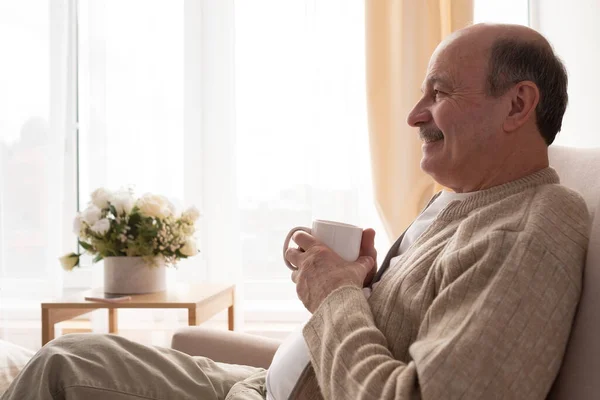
{"type": "Point", "coordinates": [497, 328]}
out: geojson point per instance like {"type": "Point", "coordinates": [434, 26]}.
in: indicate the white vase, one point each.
{"type": "Point", "coordinates": [131, 275]}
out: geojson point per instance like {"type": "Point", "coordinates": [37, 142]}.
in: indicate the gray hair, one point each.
{"type": "Point", "coordinates": [514, 60]}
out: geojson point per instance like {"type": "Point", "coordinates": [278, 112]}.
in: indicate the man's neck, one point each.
{"type": "Point", "coordinates": [515, 166]}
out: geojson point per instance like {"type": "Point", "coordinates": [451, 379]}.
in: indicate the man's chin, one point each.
{"type": "Point", "coordinates": [431, 164]}
{"type": "Point", "coordinates": [431, 151]}
{"type": "Point", "coordinates": [426, 166]}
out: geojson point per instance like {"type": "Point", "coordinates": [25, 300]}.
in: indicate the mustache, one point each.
{"type": "Point", "coordinates": [430, 134]}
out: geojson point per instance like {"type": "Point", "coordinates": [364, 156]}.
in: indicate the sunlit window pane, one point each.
{"type": "Point", "coordinates": [301, 123]}
{"type": "Point", "coordinates": [131, 96]}
{"type": "Point", "coordinates": [24, 138]}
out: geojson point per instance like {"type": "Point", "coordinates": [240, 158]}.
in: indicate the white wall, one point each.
{"type": "Point", "coordinates": [501, 12]}
{"type": "Point", "coordinates": [573, 29]}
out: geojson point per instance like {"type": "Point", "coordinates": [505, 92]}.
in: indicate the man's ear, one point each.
{"type": "Point", "coordinates": [524, 100]}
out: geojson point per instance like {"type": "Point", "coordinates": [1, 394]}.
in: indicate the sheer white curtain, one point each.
{"type": "Point", "coordinates": [302, 139]}
{"type": "Point", "coordinates": [157, 114]}
{"type": "Point", "coordinates": [255, 112]}
{"type": "Point", "coordinates": [37, 158]}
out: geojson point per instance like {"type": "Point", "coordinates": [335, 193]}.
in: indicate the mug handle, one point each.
{"type": "Point", "coordinates": [286, 244]}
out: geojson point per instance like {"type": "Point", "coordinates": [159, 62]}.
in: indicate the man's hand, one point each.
{"type": "Point", "coordinates": [321, 271]}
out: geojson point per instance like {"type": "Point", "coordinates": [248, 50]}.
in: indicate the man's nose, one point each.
{"type": "Point", "coordinates": [418, 115]}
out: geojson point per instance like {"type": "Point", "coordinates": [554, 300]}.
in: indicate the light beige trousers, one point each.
{"type": "Point", "coordinates": [108, 367]}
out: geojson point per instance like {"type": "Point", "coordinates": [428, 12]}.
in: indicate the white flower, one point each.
{"type": "Point", "coordinates": [78, 224]}
{"type": "Point", "coordinates": [101, 227]}
{"type": "Point", "coordinates": [101, 197]}
{"type": "Point", "coordinates": [187, 229]}
{"type": "Point", "coordinates": [189, 248]}
{"type": "Point", "coordinates": [154, 206]}
{"type": "Point", "coordinates": [69, 261]}
{"type": "Point", "coordinates": [170, 208]}
{"type": "Point", "coordinates": [123, 202]}
{"type": "Point", "coordinates": [91, 215]}
{"type": "Point", "coordinates": [191, 214]}
{"type": "Point", "coordinates": [174, 206]}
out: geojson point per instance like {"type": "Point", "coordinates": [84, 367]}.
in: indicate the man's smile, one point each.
{"type": "Point", "coordinates": [429, 135]}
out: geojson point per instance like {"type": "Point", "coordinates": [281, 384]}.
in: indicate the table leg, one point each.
{"type": "Point", "coordinates": [113, 323]}
{"type": "Point", "coordinates": [230, 317]}
{"type": "Point", "coordinates": [231, 311]}
{"type": "Point", "coordinates": [47, 327]}
{"type": "Point", "coordinates": [192, 316]}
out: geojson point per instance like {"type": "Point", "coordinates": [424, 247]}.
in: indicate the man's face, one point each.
{"type": "Point", "coordinates": [460, 125]}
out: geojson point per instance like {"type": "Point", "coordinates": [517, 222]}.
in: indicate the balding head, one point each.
{"type": "Point", "coordinates": [486, 34]}
{"type": "Point", "coordinates": [494, 97]}
{"type": "Point", "coordinates": [479, 39]}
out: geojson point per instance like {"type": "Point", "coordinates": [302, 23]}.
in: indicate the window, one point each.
{"type": "Point", "coordinates": [131, 105]}
{"type": "Point", "coordinates": [37, 154]}
{"type": "Point", "coordinates": [131, 96]}
{"type": "Point", "coordinates": [302, 135]}
{"type": "Point", "coordinates": [36, 144]}
{"type": "Point", "coordinates": [278, 122]}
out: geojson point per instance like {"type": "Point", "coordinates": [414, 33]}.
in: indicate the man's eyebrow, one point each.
{"type": "Point", "coordinates": [431, 80]}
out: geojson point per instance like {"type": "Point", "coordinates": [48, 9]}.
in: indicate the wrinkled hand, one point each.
{"type": "Point", "coordinates": [321, 271]}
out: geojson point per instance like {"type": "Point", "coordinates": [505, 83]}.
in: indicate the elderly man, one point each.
{"type": "Point", "coordinates": [474, 301]}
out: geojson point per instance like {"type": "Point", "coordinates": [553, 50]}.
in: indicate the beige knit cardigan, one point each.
{"type": "Point", "coordinates": [479, 307]}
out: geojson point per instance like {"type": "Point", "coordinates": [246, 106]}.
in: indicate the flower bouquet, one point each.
{"type": "Point", "coordinates": [119, 225]}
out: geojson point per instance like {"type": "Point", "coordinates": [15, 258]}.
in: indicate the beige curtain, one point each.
{"type": "Point", "coordinates": [400, 37]}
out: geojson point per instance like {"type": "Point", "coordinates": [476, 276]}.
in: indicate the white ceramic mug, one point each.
{"type": "Point", "coordinates": [344, 239]}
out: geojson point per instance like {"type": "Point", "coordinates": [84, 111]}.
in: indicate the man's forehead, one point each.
{"type": "Point", "coordinates": [442, 66]}
{"type": "Point", "coordinates": [438, 77]}
{"type": "Point", "coordinates": [450, 66]}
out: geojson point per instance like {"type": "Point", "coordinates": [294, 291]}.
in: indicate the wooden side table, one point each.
{"type": "Point", "coordinates": [202, 301]}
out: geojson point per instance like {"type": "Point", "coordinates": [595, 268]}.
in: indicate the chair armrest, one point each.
{"type": "Point", "coordinates": [226, 346]}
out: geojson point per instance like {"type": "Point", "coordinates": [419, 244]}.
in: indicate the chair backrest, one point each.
{"type": "Point", "coordinates": [579, 376]}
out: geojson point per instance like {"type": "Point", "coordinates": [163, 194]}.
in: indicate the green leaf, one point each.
{"type": "Point", "coordinates": [97, 258]}
{"type": "Point", "coordinates": [134, 218]}
{"type": "Point", "coordinates": [86, 246]}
